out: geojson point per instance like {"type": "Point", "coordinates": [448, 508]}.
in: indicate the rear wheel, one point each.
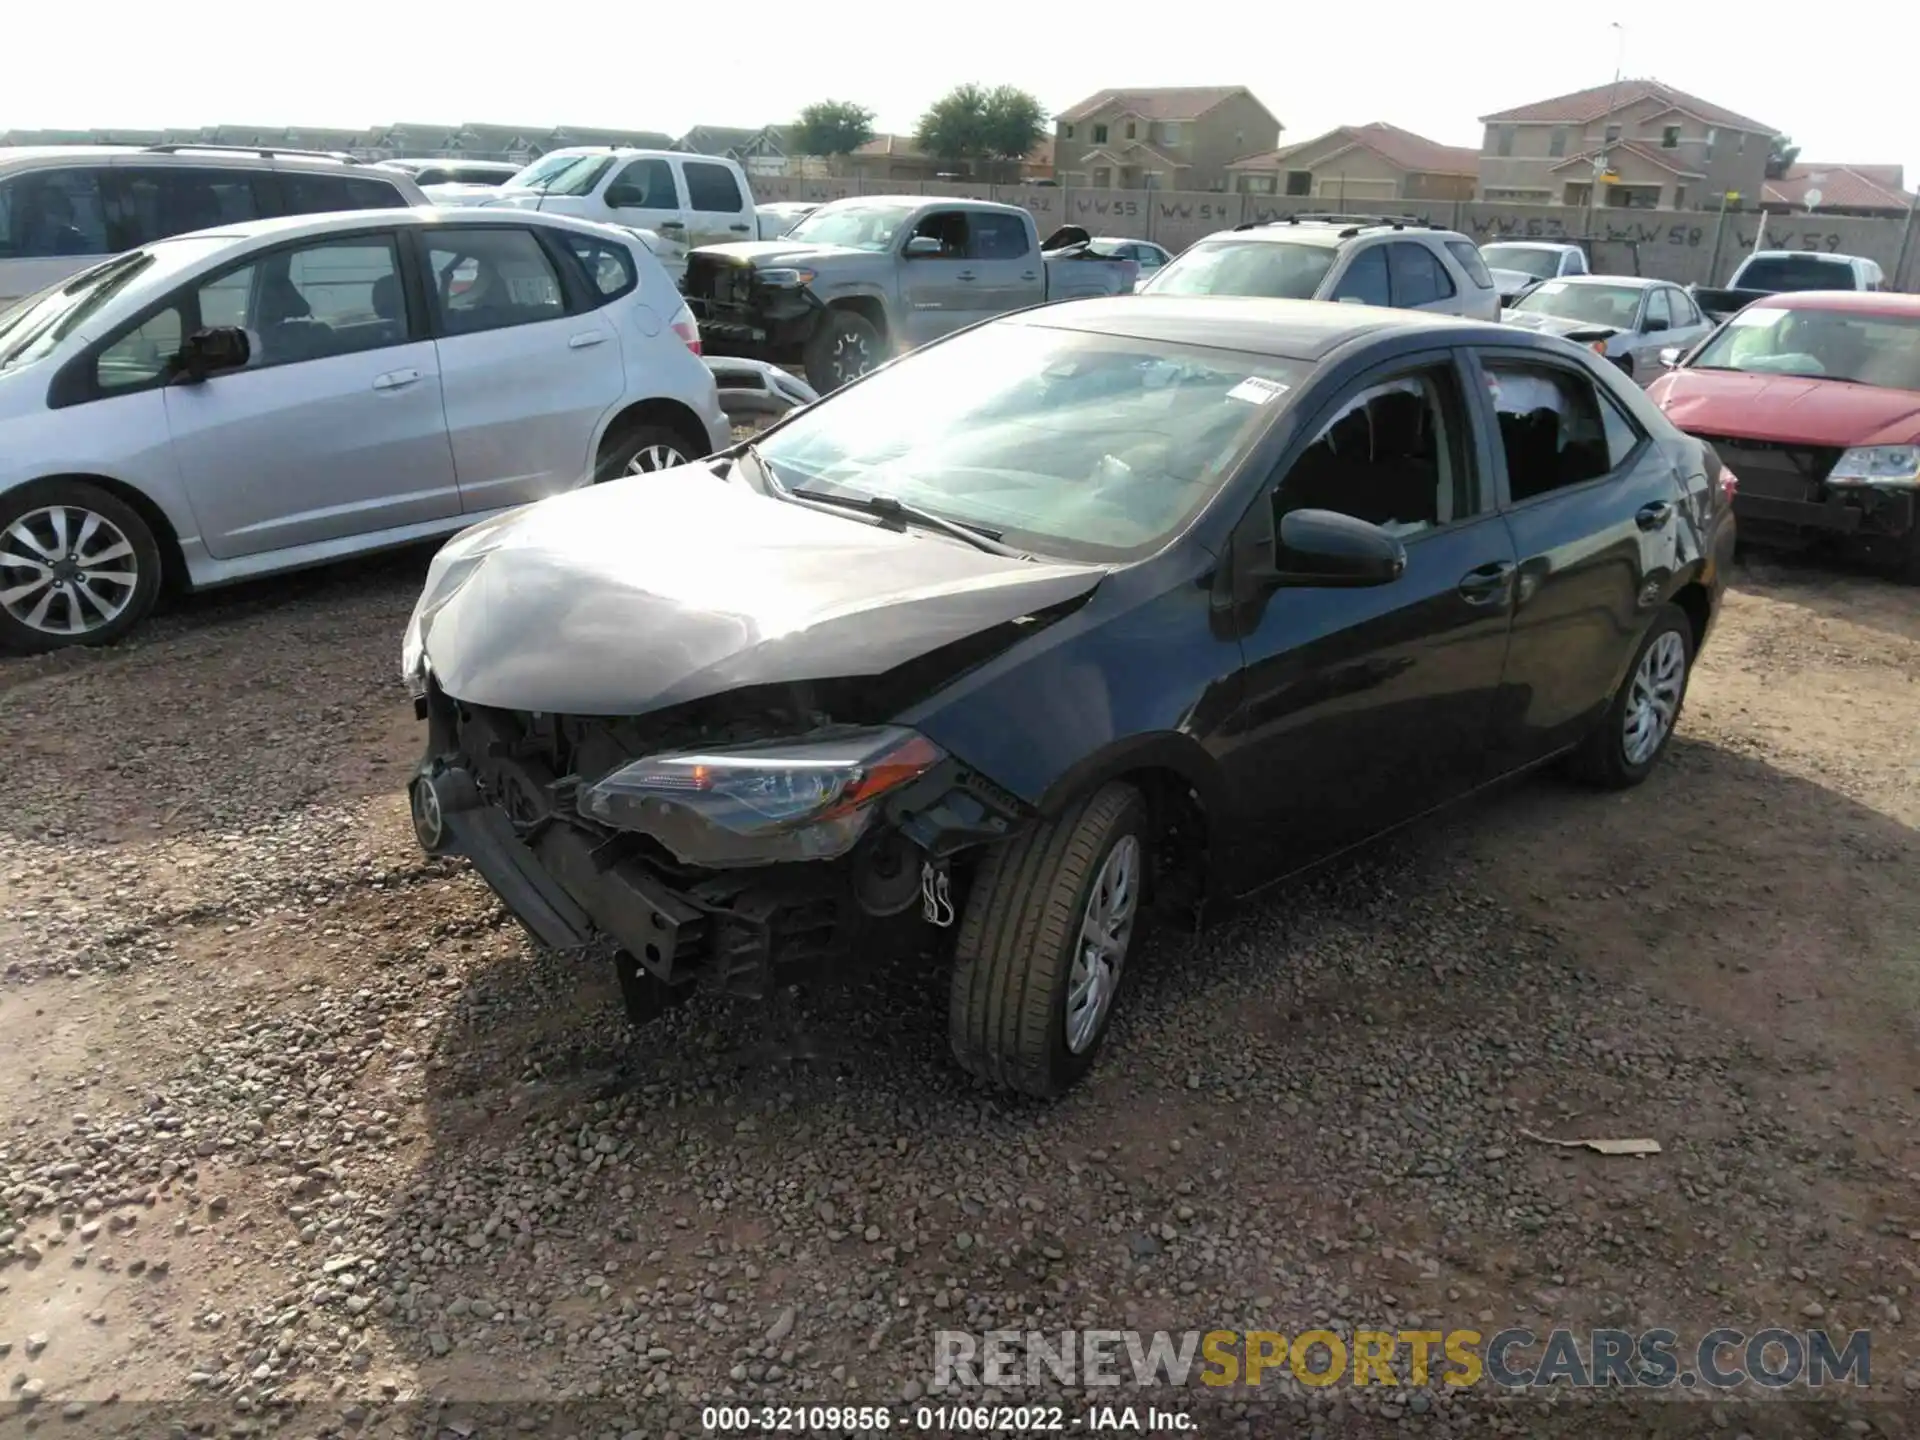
{"type": "Point", "coordinates": [78, 566]}
{"type": "Point", "coordinates": [844, 347]}
{"type": "Point", "coordinates": [1628, 742]}
{"type": "Point", "coordinates": [1049, 921]}
{"type": "Point", "coordinates": [643, 450]}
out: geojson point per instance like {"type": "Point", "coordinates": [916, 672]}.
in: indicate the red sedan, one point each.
{"type": "Point", "coordinates": [1813, 400]}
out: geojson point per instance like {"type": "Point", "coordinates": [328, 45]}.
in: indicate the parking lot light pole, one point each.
{"type": "Point", "coordinates": [1603, 163]}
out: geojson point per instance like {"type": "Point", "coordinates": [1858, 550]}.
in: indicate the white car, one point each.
{"type": "Point", "coordinates": [263, 397]}
{"type": "Point", "coordinates": [677, 202]}
{"type": "Point", "coordinates": [1385, 260]}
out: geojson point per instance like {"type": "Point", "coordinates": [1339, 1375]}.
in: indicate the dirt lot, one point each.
{"type": "Point", "coordinates": [291, 1114]}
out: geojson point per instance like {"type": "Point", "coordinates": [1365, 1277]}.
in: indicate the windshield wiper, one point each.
{"type": "Point", "coordinates": [900, 513]}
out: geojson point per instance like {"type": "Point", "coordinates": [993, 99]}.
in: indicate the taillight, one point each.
{"type": "Point", "coordinates": [688, 329]}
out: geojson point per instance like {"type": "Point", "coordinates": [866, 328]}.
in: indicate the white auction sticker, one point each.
{"type": "Point", "coordinates": [1256, 391]}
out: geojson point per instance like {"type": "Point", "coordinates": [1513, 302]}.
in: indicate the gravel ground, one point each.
{"type": "Point", "coordinates": [296, 1125]}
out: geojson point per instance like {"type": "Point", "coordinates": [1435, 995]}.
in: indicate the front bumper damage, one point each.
{"type": "Point", "coordinates": [1784, 494]}
{"type": "Point", "coordinates": [740, 314]}
{"type": "Point", "coordinates": [502, 788]}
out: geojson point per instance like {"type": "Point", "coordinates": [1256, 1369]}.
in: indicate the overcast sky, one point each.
{"type": "Point", "coordinates": [1841, 90]}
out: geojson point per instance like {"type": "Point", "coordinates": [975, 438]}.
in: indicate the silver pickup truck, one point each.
{"type": "Point", "coordinates": [864, 278]}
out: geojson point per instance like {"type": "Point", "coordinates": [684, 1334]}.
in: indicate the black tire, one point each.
{"type": "Point", "coordinates": [1909, 568]}
{"type": "Point", "coordinates": [651, 447]}
{"type": "Point", "coordinates": [844, 347]}
{"type": "Point", "coordinates": [1014, 955]}
{"type": "Point", "coordinates": [1602, 760]}
{"type": "Point", "coordinates": [74, 500]}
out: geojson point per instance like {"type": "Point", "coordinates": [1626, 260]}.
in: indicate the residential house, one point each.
{"type": "Point", "coordinates": [516, 144]}
{"type": "Point", "coordinates": [761, 151]}
{"type": "Point", "coordinates": [1175, 138]}
{"type": "Point", "coordinates": [1356, 164]}
{"type": "Point", "coordinates": [1839, 190]}
{"type": "Point", "coordinates": [1648, 145]}
{"type": "Point", "coordinates": [566, 135]}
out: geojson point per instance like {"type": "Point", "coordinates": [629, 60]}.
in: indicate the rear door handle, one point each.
{"type": "Point", "coordinates": [1028, 275]}
{"type": "Point", "coordinates": [964, 275]}
{"type": "Point", "coordinates": [395, 379]}
{"type": "Point", "coordinates": [582, 341]}
{"type": "Point", "coordinates": [671, 225]}
{"type": "Point", "coordinates": [1653, 516]}
{"type": "Point", "coordinates": [739, 229]}
{"type": "Point", "coordinates": [1486, 583]}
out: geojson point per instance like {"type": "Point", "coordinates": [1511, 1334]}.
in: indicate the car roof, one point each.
{"type": "Point", "coordinates": [1631, 282]}
{"type": "Point", "coordinates": [1327, 232]}
{"type": "Point", "coordinates": [1288, 329]}
{"type": "Point", "coordinates": [202, 156]}
{"type": "Point", "coordinates": [1533, 244]}
{"type": "Point", "coordinates": [1852, 302]}
{"type": "Point", "coordinates": [294, 227]}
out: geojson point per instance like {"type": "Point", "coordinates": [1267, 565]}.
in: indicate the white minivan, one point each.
{"type": "Point", "coordinates": [678, 201]}
{"type": "Point", "coordinates": [66, 207]}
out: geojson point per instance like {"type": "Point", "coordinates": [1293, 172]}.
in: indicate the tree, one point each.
{"type": "Point", "coordinates": [832, 127]}
{"type": "Point", "coordinates": [970, 123]}
{"type": "Point", "coordinates": [1781, 155]}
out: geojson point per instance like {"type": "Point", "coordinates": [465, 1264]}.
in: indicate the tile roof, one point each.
{"type": "Point", "coordinates": [1400, 148]}
{"type": "Point", "coordinates": [1841, 187]}
{"type": "Point", "coordinates": [1649, 153]}
{"type": "Point", "coordinates": [1585, 105]}
{"type": "Point", "coordinates": [1174, 102]}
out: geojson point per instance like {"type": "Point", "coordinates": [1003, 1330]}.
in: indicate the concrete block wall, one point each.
{"type": "Point", "coordinates": [1686, 246]}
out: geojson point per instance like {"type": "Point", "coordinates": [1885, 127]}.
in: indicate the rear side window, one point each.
{"type": "Point", "coordinates": [610, 268]}
{"type": "Point", "coordinates": [996, 237]}
{"type": "Point", "coordinates": [712, 187]}
{"type": "Point", "coordinates": [1556, 429]}
{"type": "Point", "coordinates": [306, 193]}
{"type": "Point", "coordinates": [486, 279]}
{"type": "Point", "coordinates": [53, 212]}
{"type": "Point", "coordinates": [370, 194]}
{"type": "Point", "coordinates": [161, 200]}
{"type": "Point", "coordinates": [1471, 262]}
{"type": "Point", "coordinates": [1418, 276]}
{"type": "Point", "coordinates": [1365, 281]}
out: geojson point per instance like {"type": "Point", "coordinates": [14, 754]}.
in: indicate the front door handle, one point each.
{"type": "Point", "coordinates": [1486, 583]}
{"type": "Point", "coordinates": [739, 229]}
{"type": "Point", "coordinates": [964, 275]}
{"type": "Point", "coordinates": [1028, 275]}
{"type": "Point", "coordinates": [395, 379]}
{"type": "Point", "coordinates": [1654, 515]}
{"type": "Point", "coordinates": [582, 341]}
{"type": "Point", "coordinates": [670, 225]}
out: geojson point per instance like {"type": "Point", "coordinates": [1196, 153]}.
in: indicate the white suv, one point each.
{"type": "Point", "coordinates": [263, 397]}
{"type": "Point", "coordinates": [1354, 259]}
{"type": "Point", "coordinates": [678, 202]}
{"type": "Point", "coordinates": [65, 207]}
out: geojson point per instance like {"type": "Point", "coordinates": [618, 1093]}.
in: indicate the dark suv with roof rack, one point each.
{"type": "Point", "coordinates": [1392, 260]}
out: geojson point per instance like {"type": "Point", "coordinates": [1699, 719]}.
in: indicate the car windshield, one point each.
{"type": "Point", "coordinates": [1087, 447]}
{"type": "Point", "coordinates": [1272, 269]}
{"type": "Point", "coordinates": [1796, 272]}
{"type": "Point", "coordinates": [1541, 264]}
{"type": "Point", "coordinates": [858, 227]}
{"type": "Point", "coordinates": [565, 175]}
{"type": "Point", "coordinates": [38, 323]}
{"type": "Point", "coordinates": [1610, 305]}
{"type": "Point", "coordinates": [1879, 350]}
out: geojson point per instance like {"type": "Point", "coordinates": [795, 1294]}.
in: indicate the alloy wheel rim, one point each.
{"type": "Point", "coordinates": [1105, 932]}
{"type": "Point", "coordinates": [852, 357]}
{"type": "Point", "coordinates": [649, 458]}
{"type": "Point", "coordinates": [66, 570]}
{"type": "Point", "coordinates": [1653, 697]}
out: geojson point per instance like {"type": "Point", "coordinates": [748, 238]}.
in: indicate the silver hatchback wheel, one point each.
{"type": "Point", "coordinates": [1653, 697]}
{"type": "Point", "coordinates": [66, 571]}
{"type": "Point", "coordinates": [1104, 936]}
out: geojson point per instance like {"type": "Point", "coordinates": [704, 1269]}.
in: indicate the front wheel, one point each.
{"type": "Point", "coordinates": [643, 450]}
{"type": "Point", "coordinates": [844, 347]}
{"type": "Point", "coordinates": [1628, 742]}
{"type": "Point", "coordinates": [78, 566]}
{"type": "Point", "coordinates": [1049, 921]}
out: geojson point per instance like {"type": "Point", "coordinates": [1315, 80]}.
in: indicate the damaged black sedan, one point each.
{"type": "Point", "coordinates": [1111, 606]}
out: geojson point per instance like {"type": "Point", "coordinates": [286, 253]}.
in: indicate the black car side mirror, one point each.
{"type": "Point", "coordinates": [1327, 549]}
{"type": "Point", "coordinates": [210, 351]}
{"type": "Point", "coordinates": [624, 197]}
{"type": "Point", "coordinates": [1655, 325]}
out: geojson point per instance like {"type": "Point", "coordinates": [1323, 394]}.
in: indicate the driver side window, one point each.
{"type": "Point", "coordinates": [1658, 316]}
{"type": "Point", "coordinates": [1394, 454]}
{"type": "Point", "coordinates": [949, 227]}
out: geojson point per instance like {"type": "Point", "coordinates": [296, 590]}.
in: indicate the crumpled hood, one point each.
{"type": "Point", "coordinates": [1512, 282]}
{"type": "Point", "coordinates": [651, 591]}
{"type": "Point", "coordinates": [768, 253]}
{"type": "Point", "coordinates": [1787, 409]}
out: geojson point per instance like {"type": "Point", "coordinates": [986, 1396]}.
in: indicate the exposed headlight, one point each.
{"type": "Point", "coordinates": [785, 277]}
{"type": "Point", "coordinates": [1895, 466]}
{"type": "Point", "coordinates": [759, 804]}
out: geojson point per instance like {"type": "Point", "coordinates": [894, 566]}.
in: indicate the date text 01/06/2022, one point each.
{"type": "Point", "coordinates": [943, 1419]}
